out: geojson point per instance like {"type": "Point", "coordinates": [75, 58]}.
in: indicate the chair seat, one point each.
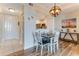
{"type": "Point", "coordinates": [45, 40]}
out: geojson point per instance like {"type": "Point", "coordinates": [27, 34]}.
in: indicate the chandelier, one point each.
{"type": "Point", "coordinates": [55, 10]}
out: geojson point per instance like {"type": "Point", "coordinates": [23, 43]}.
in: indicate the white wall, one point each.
{"type": "Point", "coordinates": [74, 14]}
{"type": "Point", "coordinates": [58, 21]}
{"type": "Point", "coordinates": [29, 25]}
{"type": "Point", "coordinates": [69, 15]}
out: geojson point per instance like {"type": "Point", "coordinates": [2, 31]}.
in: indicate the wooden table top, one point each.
{"type": "Point", "coordinates": [71, 32]}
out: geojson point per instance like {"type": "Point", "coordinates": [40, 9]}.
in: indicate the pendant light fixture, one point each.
{"type": "Point", "coordinates": [55, 10]}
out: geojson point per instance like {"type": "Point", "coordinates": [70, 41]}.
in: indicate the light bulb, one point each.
{"type": "Point", "coordinates": [11, 10]}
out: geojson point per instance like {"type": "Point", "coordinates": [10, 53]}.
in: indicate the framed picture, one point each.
{"type": "Point", "coordinates": [41, 26]}
{"type": "Point", "coordinates": [69, 23]}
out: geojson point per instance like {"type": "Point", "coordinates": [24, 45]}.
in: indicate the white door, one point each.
{"type": "Point", "coordinates": [9, 34]}
{"type": "Point", "coordinates": [11, 29]}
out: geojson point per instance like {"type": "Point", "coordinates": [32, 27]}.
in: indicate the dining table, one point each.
{"type": "Point", "coordinates": [49, 36]}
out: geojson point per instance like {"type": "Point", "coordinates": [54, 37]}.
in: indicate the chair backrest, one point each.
{"type": "Point", "coordinates": [34, 38]}
{"type": "Point", "coordinates": [42, 31]}
{"type": "Point", "coordinates": [37, 37]}
{"type": "Point", "coordinates": [57, 34]}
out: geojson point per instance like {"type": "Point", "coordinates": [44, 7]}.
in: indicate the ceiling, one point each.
{"type": "Point", "coordinates": [46, 6]}
{"type": "Point", "coordinates": [5, 6]}
{"type": "Point", "coordinates": [42, 7]}
{"type": "Point", "coordinates": [66, 7]}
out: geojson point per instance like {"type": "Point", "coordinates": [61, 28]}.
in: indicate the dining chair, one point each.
{"type": "Point", "coordinates": [35, 41]}
{"type": "Point", "coordinates": [40, 41]}
{"type": "Point", "coordinates": [55, 42]}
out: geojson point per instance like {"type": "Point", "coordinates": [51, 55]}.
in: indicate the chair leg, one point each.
{"type": "Point", "coordinates": [37, 48]}
{"type": "Point", "coordinates": [48, 48]}
{"type": "Point", "coordinates": [51, 48]}
{"type": "Point", "coordinates": [41, 50]}
{"type": "Point", "coordinates": [57, 45]}
{"type": "Point", "coordinates": [54, 48]}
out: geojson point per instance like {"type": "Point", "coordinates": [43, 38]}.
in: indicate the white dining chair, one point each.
{"type": "Point", "coordinates": [35, 41]}
{"type": "Point", "coordinates": [39, 42]}
{"type": "Point", "coordinates": [55, 42]}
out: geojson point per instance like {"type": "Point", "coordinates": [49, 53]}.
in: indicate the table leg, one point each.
{"type": "Point", "coordinates": [71, 37]}
{"type": "Point", "coordinates": [64, 36]}
{"type": "Point", "coordinates": [77, 38]}
{"type": "Point", "coordinates": [60, 36]}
